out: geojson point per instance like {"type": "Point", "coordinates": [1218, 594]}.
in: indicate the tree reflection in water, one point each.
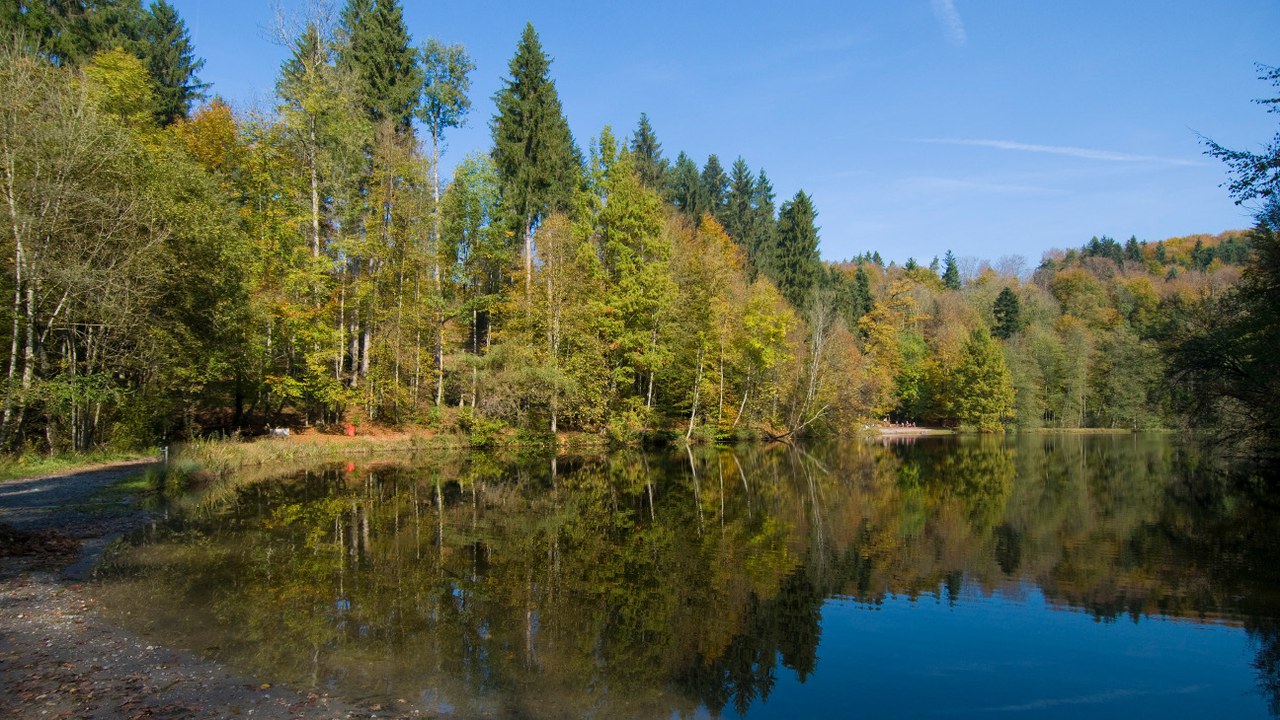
{"type": "Point", "coordinates": [645, 585]}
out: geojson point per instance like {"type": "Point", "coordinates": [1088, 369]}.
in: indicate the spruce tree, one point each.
{"type": "Point", "coordinates": [763, 224]}
{"type": "Point", "coordinates": [682, 185]}
{"type": "Point", "coordinates": [172, 63]}
{"type": "Point", "coordinates": [795, 264]}
{"type": "Point", "coordinates": [738, 213]}
{"type": "Point", "coordinates": [713, 187]}
{"type": "Point", "coordinates": [861, 292]}
{"type": "Point", "coordinates": [379, 51]}
{"type": "Point", "coordinates": [69, 33]}
{"type": "Point", "coordinates": [538, 166]}
{"type": "Point", "coordinates": [646, 152]}
{"type": "Point", "coordinates": [1133, 251]}
{"type": "Point", "coordinates": [950, 273]}
{"type": "Point", "coordinates": [1008, 313]}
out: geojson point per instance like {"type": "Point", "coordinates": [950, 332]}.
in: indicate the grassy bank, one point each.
{"type": "Point", "coordinates": [219, 457]}
{"type": "Point", "coordinates": [22, 467]}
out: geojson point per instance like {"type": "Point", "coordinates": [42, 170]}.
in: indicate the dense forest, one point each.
{"type": "Point", "coordinates": [179, 267]}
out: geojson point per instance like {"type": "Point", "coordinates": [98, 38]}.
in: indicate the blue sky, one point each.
{"type": "Point", "coordinates": [987, 127]}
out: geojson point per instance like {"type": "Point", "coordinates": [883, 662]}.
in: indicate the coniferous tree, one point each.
{"type": "Point", "coordinates": [794, 264]}
{"type": "Point", "coordinates": [538, 166]}
{"type": "Point", "coordinates": [981, 393]}
{"type": "Point", "coordinates": [682, 184]}
{"type": "Point", "coordinates": [647, 153]}
{"type": "Point", "coordinates": [739, 214]}
{"type": "Point", "coordinates": [713, 185]}
{"type": "Point", "coordinates": [69, 33]}
{"type": "Point", "coordinates": [764, 225]}
{"type": "Point", "coordinates": [1008, 313]}
{"type": "Point", "coordinates": [172, 63]}
{"type": "Point", "coordinates": [861, 292]}
{"type": "Point", "coordinates": [1132, 251]}
{"type": "Point", "coordinates": [950, 273]}
{"type": "Point", "coordinates": [378, 50]}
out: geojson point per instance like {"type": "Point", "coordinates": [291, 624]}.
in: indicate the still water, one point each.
{"type": "Point", "coordinates": [1033, 576]}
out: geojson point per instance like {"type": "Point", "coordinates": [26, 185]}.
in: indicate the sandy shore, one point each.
{"type": "Point", "coordinates": [59, 657]}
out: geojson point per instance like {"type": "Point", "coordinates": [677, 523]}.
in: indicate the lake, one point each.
{"type": "Point", "coordinates": [1025, 576]}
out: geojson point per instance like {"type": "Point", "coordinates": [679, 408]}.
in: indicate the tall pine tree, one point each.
{"type": "Point", "coordinates": [682, 185]}
{"type": "Point", "coordinates": [861, 292]}
{"type": "Point", "coordinates": [764, 225]}
{"type": "Point", "coordinates": [538, 166]}
{"type": "Point", "coordinates": [171, 61]}
{"type": "Point", "coordinates": [739, 213]}
{"type": "Point", "coordinates": [713, 186]}
{"type": "Point", "coordinates": [950, 273]}
{"type": "Point", "coordinates": [795, 264]}
{"type": "Point", "coordinates": [1008, 314]}
{"type": "Point", "coordinates": [647, 155]}
{"type": "Point", "coordinates": [379, 51]}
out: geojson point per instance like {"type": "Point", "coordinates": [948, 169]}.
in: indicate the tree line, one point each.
{"type": "Point", "coordinates": [180, 270]}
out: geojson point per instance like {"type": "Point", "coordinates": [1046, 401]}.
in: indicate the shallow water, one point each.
{"type": "Point", "coordinates": [1039, 576]}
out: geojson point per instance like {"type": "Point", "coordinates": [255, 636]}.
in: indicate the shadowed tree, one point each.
{"type": "Point", "coordinates": [1008, 314]}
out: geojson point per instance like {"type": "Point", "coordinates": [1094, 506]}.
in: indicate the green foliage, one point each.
{"type": "Point", "coordinates": [950, 272]}
{"type": "Point", "coordinates": [135, 276]}
{"type": "Point", "coordinates": [793, 261]}
{"type": "Point", "coordinates": [533, 151]}
{"type": "Point", "coordinates": [446, 81]}
{"type": "Point", "coordinates": [1225, 353]}
{"type": "Point", "coordinates": [713, 187]}
{"type": "Point", "coordinates": [310, 265]}
{"type": "Point", "coordinates": [377, 49]}
{"type": "Point", "coordinates": [172, 63]}
{"type": "Point", "coordinates": [1007, 311]}
{"type": "Point", "coordinates": [120, 85]}
{"type": "Point", "coordinates": [980, 387]}
{"type": "Point", "coordinates": [647, 151]}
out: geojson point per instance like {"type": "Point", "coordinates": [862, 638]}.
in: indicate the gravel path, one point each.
{"type": "Point", "coordinates": [59, 658]}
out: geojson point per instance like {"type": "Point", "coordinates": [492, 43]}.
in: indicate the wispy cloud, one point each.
{"type": "Point", "coordinates": [1076, 152]}
{"type": "Point", "coordinates": [945, 11]}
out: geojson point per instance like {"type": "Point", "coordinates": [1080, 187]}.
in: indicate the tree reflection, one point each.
{"type": "Point", "coordinates": [641, 585]}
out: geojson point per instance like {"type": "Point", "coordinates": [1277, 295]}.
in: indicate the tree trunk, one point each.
{"type": "Point", "coordinates": [697, 390]}
{"type": "Point", "coordinates": [528, 258]}
{"type": "Point", "coordinates": [315, 190]}
{"type": "Point", "coordinates": [435, 266]}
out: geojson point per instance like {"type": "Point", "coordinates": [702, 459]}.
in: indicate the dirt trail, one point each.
{"type": "Point", "coordinates": [59, 658]}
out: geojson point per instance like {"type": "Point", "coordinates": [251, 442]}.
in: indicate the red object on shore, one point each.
{"type": "Point", "coordinates": [351, 430]}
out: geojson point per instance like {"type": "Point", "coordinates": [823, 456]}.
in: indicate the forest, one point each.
{"type": "Point", "coordinates": [179, 268]}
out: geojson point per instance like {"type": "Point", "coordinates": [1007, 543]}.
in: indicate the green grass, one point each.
{"type": "Point", "coordinates": [219, 457]}
{"type": "Point", "coordinates": [31, 465]}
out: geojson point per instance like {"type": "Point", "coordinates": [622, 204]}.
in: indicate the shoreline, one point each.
{"type": "Point", "coordinates": [59, 655]}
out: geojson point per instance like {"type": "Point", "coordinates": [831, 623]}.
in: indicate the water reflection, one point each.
{"type": "Point", "coordinates": [641, 585]}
